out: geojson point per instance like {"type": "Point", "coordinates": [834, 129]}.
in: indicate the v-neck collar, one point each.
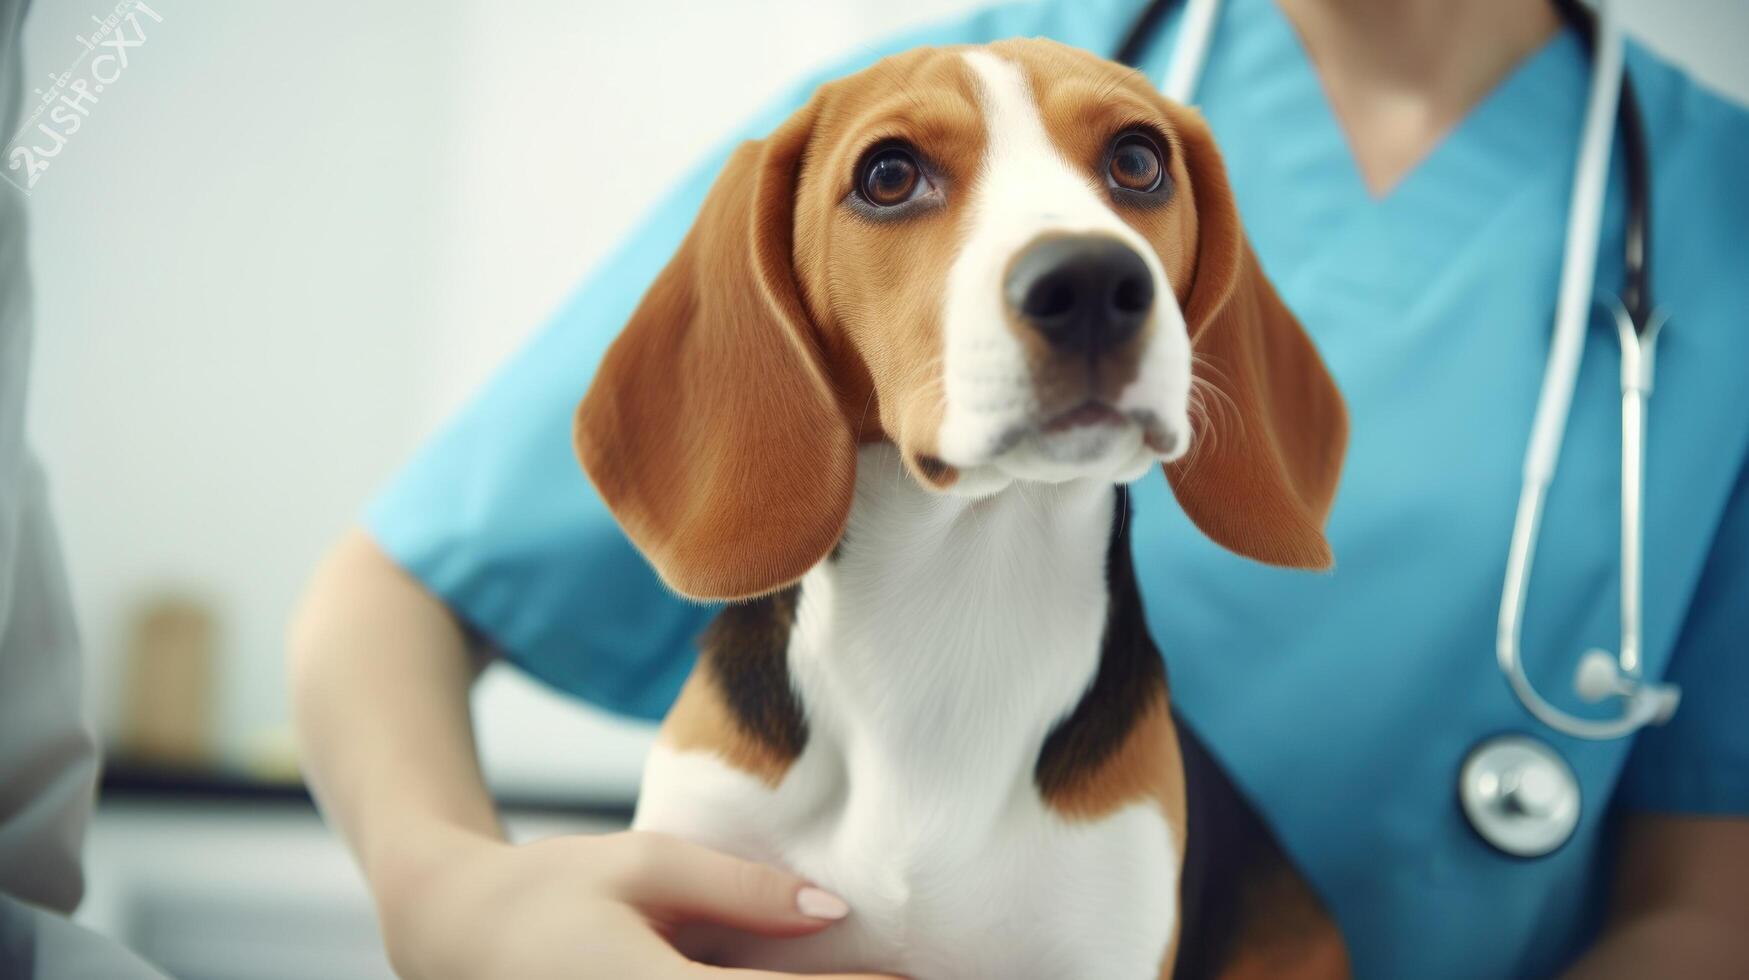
{"type": "Point", "coordinates": [1262, 87]}
{"type": "Point", "coordinates": [1498, 136]}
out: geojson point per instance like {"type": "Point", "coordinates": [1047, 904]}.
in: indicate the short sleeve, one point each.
{"type": "Point", "coordinates": [1698, 762]}
{"type": "Point", "coordinates": [494, 514]}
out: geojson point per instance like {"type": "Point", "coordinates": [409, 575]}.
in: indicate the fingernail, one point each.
{"type": "Point", "coordinates": [816, 903]}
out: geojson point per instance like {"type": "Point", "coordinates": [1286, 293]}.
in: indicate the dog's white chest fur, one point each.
{"type": "Point", "coordinates": [932, 658]}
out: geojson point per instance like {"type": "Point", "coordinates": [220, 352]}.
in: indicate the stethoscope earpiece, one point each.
{"type": "Point", "coordinates": [1599, 677]}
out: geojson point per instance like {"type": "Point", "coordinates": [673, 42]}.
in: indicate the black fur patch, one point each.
{"type": "Point", "coordinates": [1239, 890]}
{"type": "Point", "coordinates": [1130, 676]}
{"type": "Point", "coordinates": [746, 649]}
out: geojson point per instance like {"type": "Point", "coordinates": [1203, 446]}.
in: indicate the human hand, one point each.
{"type": "Point", "coordinates": [585, 907]}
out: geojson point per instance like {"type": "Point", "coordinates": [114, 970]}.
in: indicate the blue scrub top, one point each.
{"type": "Point", "coordinates": [1343, 702]}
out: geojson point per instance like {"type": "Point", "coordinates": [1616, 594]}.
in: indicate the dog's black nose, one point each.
{"type": "Point", "coordinates": [1082, 292]}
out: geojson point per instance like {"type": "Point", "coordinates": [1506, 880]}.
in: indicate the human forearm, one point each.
{"type": "Point", "coordinates": [380, 678]}
{"type": "Point", "coordinates": [1680, 903]}
{"type": "Point", "coordinates": [1672, 943]}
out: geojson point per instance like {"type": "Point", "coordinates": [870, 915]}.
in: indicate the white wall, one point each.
{"type": "Point", "coordinates": [236, 259]}
{"type": "Point", "coordinates": [292, 238]}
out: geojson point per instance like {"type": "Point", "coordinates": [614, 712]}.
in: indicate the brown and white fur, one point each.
{"type": "Point", "coordinates": [934, 693]}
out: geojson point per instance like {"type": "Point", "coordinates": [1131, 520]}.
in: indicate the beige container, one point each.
{"type": "Point", "coordinates": [167, 717]}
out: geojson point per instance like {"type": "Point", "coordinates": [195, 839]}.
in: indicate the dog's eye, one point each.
{"type": "Point", "coordinates": [1136, 164]}
{"type": "Point", "coordinates": [890, 177]}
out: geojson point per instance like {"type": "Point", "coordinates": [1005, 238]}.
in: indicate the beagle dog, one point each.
{"type": "Point", "coordinates": [884, 400]}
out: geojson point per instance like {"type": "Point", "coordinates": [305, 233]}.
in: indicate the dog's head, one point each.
{"type": "Point", "coordinates": [1017, 263]}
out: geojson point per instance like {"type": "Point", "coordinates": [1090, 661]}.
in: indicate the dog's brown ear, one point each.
{"type": "Point", "coordinates": [712, 430]}
{"type": "Point", "coordinates": [1262, 475]}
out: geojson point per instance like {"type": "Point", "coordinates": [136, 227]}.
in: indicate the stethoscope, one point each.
{"type": "Point", "coordinates": [1517, 791]}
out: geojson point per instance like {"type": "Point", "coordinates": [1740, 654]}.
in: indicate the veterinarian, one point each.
{"type": "Point", "coordinates": [1406, 171]}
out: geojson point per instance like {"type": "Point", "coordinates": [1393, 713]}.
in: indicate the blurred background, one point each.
{"type": "Point", "coordinates": [287, 244]}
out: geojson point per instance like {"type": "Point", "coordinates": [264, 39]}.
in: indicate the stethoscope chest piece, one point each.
{"type": "Point", "coordinates": [1519, 795]}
